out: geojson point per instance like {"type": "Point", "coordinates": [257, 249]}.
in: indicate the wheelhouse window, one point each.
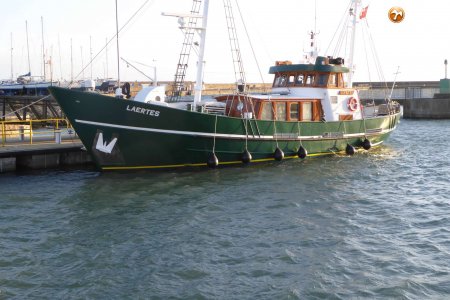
{"type": "Point", "coordinates": [322, 79]}
{"type": "Point", "coordinates": [280, 81]}
{"type": "Point", "coordinates": [333, 80]}
{"type": "Point", "coordinates": [291, 80]}
{"type": "Point", "coordinates": [267, 111]}
{"type": "Point", "coordinates": [281, 111]}
{"type": "Point", "coordinates": [310, 79]}
{"type": "Point", "coordinates": [294, 111]}
{"type": "Point", "coordinates": [299, 79]}
{"type": "Point", "coordinates": [307, 111]}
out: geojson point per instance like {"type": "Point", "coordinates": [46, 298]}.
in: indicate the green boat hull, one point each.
{"type": "Point", "coordinates": [123, 134]}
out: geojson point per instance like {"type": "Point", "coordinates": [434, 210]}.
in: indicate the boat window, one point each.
{"type": "Point", "coordinates": [282, 80]}
{"type": "Point", "coordinates": [257, 107]}
{"type": "Point", "coordinates": [299, 79]}
{"type": "Point", "coordinates": [293, 111]}
{"type": "Point", "coordinates": [332, 81]}
{"type": "Point", "coordinates": [309, 79]}
{"type": "Point", "coordinates": [291, 79]}
{"type": "Point", "coordinates": [281, 111]}
{"type": "Point", "coordinates": [339, 80]}
{"type": "Point", "coordinates": [306, 111]}
{"type": "Point", "coordinates": [277, 81]}
{"type": "Point", "coordinates": [267, 111]}
{"type": "Point", "coordinates": [322, 79]}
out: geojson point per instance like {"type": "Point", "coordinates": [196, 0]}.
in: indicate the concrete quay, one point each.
{"type": "Point", "coordinates": [433, 108]}
{"type": "Point", "coordinates": [42, 156]}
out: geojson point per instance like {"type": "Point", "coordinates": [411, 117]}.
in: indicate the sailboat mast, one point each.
{"type": "Point", "coordinates": [28, 48]}
{"type": "Point", "coordinates": [200, 64]}
{"type": "Point", "coordinates": [71, 61]}
{"type": "Point", "coordinates": [60, 61]}
{"type": "Point", "coordinates": [90, 49]}
{"type": "Point", "coordinates": [106, 48]}
{"type": "Point", "coordinates": [118, 54]}
{"type": "Point", "coordinates": [43, 46]}
{"type": "Point", "coordinates": [82, 61]}
{"type": "Point", "coordinates": [12, 70]}
{"type": "Point", "coordinates": [353, 14]}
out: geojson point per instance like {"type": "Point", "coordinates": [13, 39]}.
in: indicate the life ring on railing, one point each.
{"type": "Point", "coordinates": [352, 104]}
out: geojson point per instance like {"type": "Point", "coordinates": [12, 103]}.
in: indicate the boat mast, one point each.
{"type": "Point", "coordinates": [82, 61]}
{"type": "Point", "coordinates": [106, 48]}
{"type": "Point", "coordinates": [71, 61]}
{"type": "Point", "coordinates": [119, 90]}
{"type": "Point", "coordinates": [43, 48]}
{"type": "Point", "coordinates": [60, 61]}
{"type": "Point", "coordinates": [28, 49]}
{"type": "Point", "coordinates": [12, 70]}
{"type": "Point", "coordinates": [353, 14]}
{"type": "Point", "coordinates": [90, 48]}
{"type": "Point", "coordinates": [201, 52]}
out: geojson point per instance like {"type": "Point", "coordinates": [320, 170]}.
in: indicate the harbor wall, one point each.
{"type": "Point", "coordinates": [431, 108]}
{"type": "Point", "coordinates": [46, 157]}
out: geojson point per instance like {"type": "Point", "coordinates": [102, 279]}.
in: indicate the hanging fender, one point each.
{"type": "Point", "coordinates": [352, 104]}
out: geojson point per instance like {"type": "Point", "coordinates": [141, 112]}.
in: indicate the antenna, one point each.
{"type": "Point", "coordinates": [315, 16]}
{"type": "Point", "coordinates": [393, 84]}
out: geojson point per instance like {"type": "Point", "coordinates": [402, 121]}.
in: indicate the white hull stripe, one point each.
{"type": "Point", "coordinates": [231, 136]}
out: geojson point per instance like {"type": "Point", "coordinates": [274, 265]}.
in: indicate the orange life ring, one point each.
{"type": "Point", "coordinates": [352, 104]}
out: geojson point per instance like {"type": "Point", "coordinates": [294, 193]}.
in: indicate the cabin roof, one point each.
{"type": "Point", "coordinates": [321, 65]}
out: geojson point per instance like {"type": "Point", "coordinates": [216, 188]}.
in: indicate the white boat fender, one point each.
{"type": "Point", "coordinates": [246, 157]}
{"type": "Point", "coordinates": [366, 144]}
{"type": "Point", "coordinates": [212, 161]}
{"type": "Point", "coordinates": [350, 150]}
{"type": "Point", "coordinates": [302, 153]}
{"type": "Point", "coordinates": [278, 154]}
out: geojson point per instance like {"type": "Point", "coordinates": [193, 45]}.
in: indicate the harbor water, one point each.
{"type": "Point", "coordinates": [372, 226]}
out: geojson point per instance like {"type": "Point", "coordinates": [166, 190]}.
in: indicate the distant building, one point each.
{"type": "Point", "coordinates": [402, 90]}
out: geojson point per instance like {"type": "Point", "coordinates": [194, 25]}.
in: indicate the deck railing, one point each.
{"type": "Point", "coordinates": [35, 131]}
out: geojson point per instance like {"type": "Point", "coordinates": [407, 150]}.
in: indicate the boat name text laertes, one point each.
{"type": "Point", "coordinates": [144, 111]}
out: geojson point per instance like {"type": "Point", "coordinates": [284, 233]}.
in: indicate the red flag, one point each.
{"type": "Point", "coordinates": [363, 12]}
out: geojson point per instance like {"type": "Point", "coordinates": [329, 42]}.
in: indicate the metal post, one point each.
{"type": "Point", "coordinates": [21, 133]}
{"type": "Point", "coordinates": [31, 131]}
{"type": "Point", "coordinates": [445, 63]}
{"type": "Point", "coordinates": [3, 134]}
{"type": "Point", "coordinates": [351, 66]}
{"type": "Point", "coordinates": [199, 80]}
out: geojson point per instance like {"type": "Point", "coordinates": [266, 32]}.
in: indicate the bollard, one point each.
{"type": "Point", "coordinates": [58, 136]}
{"type": "Point", "coordinates": [21, 133]}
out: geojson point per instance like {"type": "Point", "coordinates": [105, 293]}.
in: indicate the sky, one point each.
{"type": "Point", "coordinates": [278, 30]}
